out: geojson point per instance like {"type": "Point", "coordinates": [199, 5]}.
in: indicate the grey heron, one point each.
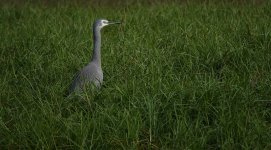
{"type": "Point", "coordinates": [92, 73]}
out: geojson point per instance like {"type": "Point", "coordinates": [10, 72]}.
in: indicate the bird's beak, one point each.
{"type": "Point", "coordinates": [114, 22]}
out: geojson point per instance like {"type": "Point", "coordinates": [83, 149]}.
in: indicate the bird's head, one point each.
{"type": "Point", "coordinates": [100, 23]}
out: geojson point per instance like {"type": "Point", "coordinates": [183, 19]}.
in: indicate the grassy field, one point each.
{"type": "Point", "coordinates": [176, 77]}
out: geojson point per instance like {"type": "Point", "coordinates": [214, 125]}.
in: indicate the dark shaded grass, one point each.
{"type": "Point", "coordinates": [193, 76]}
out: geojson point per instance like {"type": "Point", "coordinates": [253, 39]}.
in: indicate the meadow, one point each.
{"type": "Point", "coordinates": [176, 76]}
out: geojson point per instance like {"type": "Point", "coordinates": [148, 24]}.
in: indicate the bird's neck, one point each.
{"type": "Point", "coordinates": [96, 57]}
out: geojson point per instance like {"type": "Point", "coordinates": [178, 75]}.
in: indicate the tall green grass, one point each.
{"type": "Point", "coordinates": [176, 77]}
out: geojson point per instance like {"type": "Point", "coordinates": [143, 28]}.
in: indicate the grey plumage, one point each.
{"type": "Point", "coordinates": [92, 73]}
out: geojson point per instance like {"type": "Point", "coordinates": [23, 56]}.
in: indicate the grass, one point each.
{"type": "Point", "coordinates": [176, 77]}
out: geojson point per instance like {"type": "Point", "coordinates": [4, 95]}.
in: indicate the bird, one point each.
{"type": "Point", "coordinates": [92, 73]}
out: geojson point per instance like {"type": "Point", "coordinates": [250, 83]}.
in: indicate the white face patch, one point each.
{"type": "Point", "coordinates": [103, 23]}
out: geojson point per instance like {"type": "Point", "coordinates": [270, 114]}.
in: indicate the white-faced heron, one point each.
{"type": "Point", "coordinates": [92, 73]}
